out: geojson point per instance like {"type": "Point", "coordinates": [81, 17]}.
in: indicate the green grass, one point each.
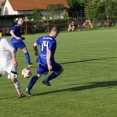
{"type": "Point", "coordinates": [86, 88]}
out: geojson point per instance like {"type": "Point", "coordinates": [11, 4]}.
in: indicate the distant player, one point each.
{"type": "Point", "coordinates": [8, 63]}
{"type": "Point", "coordinates": [17, 42]}
{"type": "Point", "coordinates": [46, 59]}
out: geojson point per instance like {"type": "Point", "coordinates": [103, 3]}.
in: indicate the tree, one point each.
{"type": "Point", "coordinates": [76, 8]}
{"type": "Point", "coordinates": [36, 16]}
{"type": "Point", "coordinates": [93, 9]}
{"type": "Point", "coordinates": [54, 10]}
{"type": "Point", "coordinates": [99, 9]}
{"type": "Point", "coordinates": [111, 8]}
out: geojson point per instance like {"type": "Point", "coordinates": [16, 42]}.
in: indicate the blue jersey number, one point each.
{"type": "Point", "coordinates": [44, 44]}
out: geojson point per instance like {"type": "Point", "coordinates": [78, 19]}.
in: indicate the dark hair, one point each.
{"type": "Point", "coordinates": [55, 29]}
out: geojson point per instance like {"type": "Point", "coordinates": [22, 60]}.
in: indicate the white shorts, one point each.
{"type": "Point", "coordinates": [7, 69]}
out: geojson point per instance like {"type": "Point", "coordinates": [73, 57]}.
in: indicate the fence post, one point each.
{"type": "Point", "coordinates": [107, 21]}
{"type": "Point", "coordinates": [26, 31]}
{"type": "Point", "coordinates": [68, 19]}
{"type": "Point", "coordinates": [48, 28]}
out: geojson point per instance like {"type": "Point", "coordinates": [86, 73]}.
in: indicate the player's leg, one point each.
{"type": "Point", "coordinates": [26, 53]}
{"type": "Point", "coordinates": [27, 56]}
{"type": "Point", "coordinates": [12, 71]}
{"type": "Point", "coordinates": [41, 70]}
{"type": "Point", "coordinates": [57, 68]}
{"type": "Point", "coordinates": [20, 44]}
{"type": "Point", "coordinates": [31, 84]}
{"type": "Point", "coordinates": [2, 71]}
{"type": "Point", "coordinates": [14, 44]}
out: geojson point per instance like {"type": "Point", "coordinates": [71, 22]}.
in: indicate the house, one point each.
{"type": "Point", "coordinates": [14, 7]}
{"type": "Point", "coordinates": [11, 9]}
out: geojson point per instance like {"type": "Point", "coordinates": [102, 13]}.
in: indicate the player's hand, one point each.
{"type": "Point", "coordinates": [49, 67]}
{"type": "Point", "coordinates": [15, 63]}
{"type": "Point", "coordinates": [18, 38]}
{"type": "Point", "coordinates": [22, 38]}
{"type": "Point", "coordinates": [36, 53]}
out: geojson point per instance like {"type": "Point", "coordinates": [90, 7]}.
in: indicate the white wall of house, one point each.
{"type": "Point", "coordinates": [8, 10]}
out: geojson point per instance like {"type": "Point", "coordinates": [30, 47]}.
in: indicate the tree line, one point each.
{"type": "Point", "coordinates": [88, 9]}
{"type": "Point", "coordinates": [94, 9]}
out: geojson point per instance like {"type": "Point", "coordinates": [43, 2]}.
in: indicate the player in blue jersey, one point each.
{"type": "Point", "coordinates": [17, 40]}
{"type": "Point", "coordinates": [46, 59]}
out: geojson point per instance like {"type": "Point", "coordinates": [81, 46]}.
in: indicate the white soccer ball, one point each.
{"type": "Point", "coordinates": [26, 72]}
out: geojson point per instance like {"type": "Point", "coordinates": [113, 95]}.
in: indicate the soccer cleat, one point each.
{"type": "Point", "coordinates": [31, 65]}
{"type": "Point", "coordinates": [28, 93]}
{"type": "Point", "coordinates": [46, 83]}
{"type": "Point", "coordinates": [20, 95]}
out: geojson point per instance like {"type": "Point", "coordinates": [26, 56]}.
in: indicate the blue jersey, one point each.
{"type": "Point", "coordinates": [17, 32]}
{"type": "Point", "coordinates": [17, 43]}
{"type": "Point", "coordinates": [46, 43]}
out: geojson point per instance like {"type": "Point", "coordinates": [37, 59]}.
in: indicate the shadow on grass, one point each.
{"type": "Point", "coordinates": [88, 60]}
{"type": "Point", "coordinates": [84, 87]}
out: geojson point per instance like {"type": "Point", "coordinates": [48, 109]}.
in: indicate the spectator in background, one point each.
{"type": "Point", "coordinates": [71, 26]}
{"type": "Point", "coordinates": [87, 22]}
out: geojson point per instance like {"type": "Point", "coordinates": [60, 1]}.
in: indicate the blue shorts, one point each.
{"type": "Point", "coordinates": [18, 44]}
{"type": "Point", "coordinates": [43, 70]}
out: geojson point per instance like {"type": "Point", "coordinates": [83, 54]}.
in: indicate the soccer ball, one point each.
{"type": "Point", "coordinates": [26, 72]}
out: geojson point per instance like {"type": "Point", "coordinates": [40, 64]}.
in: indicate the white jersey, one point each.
{"type": "Point", "coordinates": [6, 50]}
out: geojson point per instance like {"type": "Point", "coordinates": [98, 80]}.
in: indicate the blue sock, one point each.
{"type": "Point", "coordinates": [52, 76]}
{"type": "Point", "coordinates": [32, 82]}
{"type": "Point", "coordinates": [27, 56]}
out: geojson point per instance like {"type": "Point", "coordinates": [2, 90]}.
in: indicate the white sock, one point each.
{"type": "Point", "coordinates": [18, 88]}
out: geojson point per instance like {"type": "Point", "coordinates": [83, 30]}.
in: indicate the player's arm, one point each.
{"type": "Point", "coordinates": [12, 33]}
{"type": "Point", "coordinates": [49, 53]}
{"type": "Point", "coordinates": [35, 49]}
{"type": "Point", "coordinates": [14, 58]}
{"type": "Point", "coordinates": [51, 48]}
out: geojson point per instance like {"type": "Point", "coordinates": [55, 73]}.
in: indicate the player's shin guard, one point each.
{"type": "Point", "coordinates": [32, 82]}
{"type": "Point", "coordinates": [52, 76]}
{"type": "Point", "coordinates": [27, 56]}
{"type": "Point", "coordinates": [18, 88]}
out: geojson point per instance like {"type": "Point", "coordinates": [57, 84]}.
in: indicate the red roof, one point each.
{"type": "Point", "coordinates": [31, 4]}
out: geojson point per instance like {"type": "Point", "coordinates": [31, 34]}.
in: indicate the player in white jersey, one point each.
{"type": "Point", "coordinates": [8, 63]}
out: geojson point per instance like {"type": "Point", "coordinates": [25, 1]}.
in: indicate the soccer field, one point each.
{"type": "Point", "coordinates": [86, 88]}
